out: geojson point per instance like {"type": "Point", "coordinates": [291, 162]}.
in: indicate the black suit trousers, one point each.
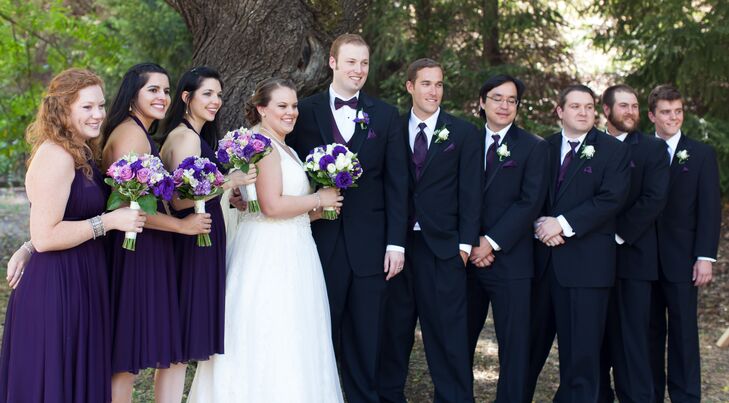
{"type": "Point", "coordinates": [680, 301]}
{"type": "Point", "coordinates": [577, 314]}
{"type": "Point", "coordinates": [433, 291]}
{"type": "Point", "coordinates": [625, 347]}
{"type": "Point", "coordinates": [356, 306]}
{"type": "Point", "coordinates": [510, 304]}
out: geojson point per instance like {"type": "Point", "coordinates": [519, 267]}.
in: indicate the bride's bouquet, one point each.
{"type": "Point", "coordinates": [138, 180]}
{"type": "Point", "coordinates": [333, 165]}
{"type": "Point", "coordinates": [240, 149]}
{"type": "Point", "coordinates": [198, 179]}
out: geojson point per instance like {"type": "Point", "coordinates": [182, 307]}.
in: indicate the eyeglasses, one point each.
{"type": "Point", "coordinates": [501, 100]}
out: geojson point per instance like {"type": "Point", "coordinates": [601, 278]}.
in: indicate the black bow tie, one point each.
{"type": "Point", "coordinates": [352, 103]}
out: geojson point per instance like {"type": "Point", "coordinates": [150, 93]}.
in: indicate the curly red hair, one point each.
{"type": "Point", "coordinates": [52, 122]}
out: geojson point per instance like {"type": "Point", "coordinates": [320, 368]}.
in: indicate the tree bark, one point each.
{"type": "Point", "coordinates": [490, 33]}
{"type": "Point", "coordinates": [250, 40]}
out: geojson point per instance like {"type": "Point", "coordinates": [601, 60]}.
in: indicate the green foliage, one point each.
{"type": "Point", "coordinates": [455, 33]}
{"type": "Point", "coordinates": [40, 38]}
{"type": "Point", "coordinates": [683, 42]}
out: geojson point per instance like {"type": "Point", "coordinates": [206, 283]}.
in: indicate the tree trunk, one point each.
{"type": "Point", "coordinates": [490, 33]}
{"type": "Point", "coordinates": [250, 40]}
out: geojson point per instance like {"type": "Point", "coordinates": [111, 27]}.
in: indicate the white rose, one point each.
{"type": "Point", "coordinates": [443, 134]}
{"type": "Point", "coordinates": [331, 168]}
{"type": "Point", "coordinates": [589, 151]}
{"type": "Point", "coordinates": [503, 151]}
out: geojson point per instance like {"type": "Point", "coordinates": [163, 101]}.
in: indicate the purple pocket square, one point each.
{"type": "Point", "coordinates": [684, 169]}
{"type": "Point", "coordinates": [450, 147]}
{"type": "Point", "coordinates": [632, 164]}
{"type": "Point", "coordinates": [509, 164]}
{"type": "Point", "coordinates": [371, 135]}
{"type": "Point", "coordinates": [587, 170]}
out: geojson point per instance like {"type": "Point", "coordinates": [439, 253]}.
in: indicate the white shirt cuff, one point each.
{"type": "Point", "coordinates": [465, 247]}
{"type": "Point", "coordinates": [708, 259]}
{"type": "Point", "coordinates": [619, 240]}
{"type": "Point", "coordinates": [493, 243]}
{"type": "Point", "coordinates": [395, 248]}
{"type": "Point", "coordinates": [566, 227]}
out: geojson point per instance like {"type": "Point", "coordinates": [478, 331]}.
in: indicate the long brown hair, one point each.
{"type": "Point", "coordinates": [52, 121]}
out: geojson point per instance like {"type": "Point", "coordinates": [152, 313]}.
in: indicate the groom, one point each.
{"type": "Point", "coordinates": [372, 222]}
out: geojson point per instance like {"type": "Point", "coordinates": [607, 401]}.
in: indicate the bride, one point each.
{"type": "Point", "coordinates": [277, 329]}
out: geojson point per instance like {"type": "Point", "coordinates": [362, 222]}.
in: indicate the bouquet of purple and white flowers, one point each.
{"type": "Point", "coordinates": [333, 165]}
{"type": "Point", "coordinates": [240, 149]}
{"type": "Point", "coordinates": [139, 180]}
{"type": "Point", "coordinates": [198, 179]}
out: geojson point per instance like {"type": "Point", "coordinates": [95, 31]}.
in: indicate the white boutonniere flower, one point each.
{"type": "Point", "coordinates": [682, 156]}
{"type": "Point", "coordinates": [441, 134]}
{"type": "Point", "coordinates": [503, 152]}
{"type": "Point", "coordinates": [587, 152]}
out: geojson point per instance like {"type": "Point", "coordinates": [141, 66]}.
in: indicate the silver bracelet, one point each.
{"type": "Point", "coordinates": [318, 201]}
{"type": "Point", "coordinates": [97, 226]}
{"type": "Point", "coordinates": [28, 246]}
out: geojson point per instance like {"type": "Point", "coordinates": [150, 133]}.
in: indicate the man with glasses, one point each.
{"type": "Point", "coordinates": [589, 176]}
{"type": "Point", "coordinates": [501, 267]}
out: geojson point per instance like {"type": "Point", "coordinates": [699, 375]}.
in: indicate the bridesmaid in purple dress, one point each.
{"type": "Point", "coordinates": [146, 330]}
{"type": "Point", "coordinates": [191, 129]}
{"type": "Point", "coordinates": [57, 341]}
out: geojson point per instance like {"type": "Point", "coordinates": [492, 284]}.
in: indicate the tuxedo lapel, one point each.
{"type": "Point", "coordinates": [577, 161]}
{"type": "Point", "coordinates": [676, 166]}
{"type": "Point", "coordinates": [555, 148]}
{"type": "Point", "coordinates": [510, 139]}
{"type": "Point", "coordinates": [406, 139]}
{"type": "Point", "coordinates": [434, 148]}
{"type": "Point", "coordinates": [360, 134]}
{"type": "Point", "coordinates": [324, 118]}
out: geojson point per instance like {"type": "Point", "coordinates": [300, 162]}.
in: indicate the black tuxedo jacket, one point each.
{"type": "Point", "coordinates": [513, 195]}
{"type": "Point", "coordinates": [636, 225]}
{"type": "Point", "coordinates": [374, 214]}
{"type": "Point", "coordinates": [446, 200]}
{"type": "Point", "coordinates": [689, 225]}
{"type": "Point", "coordinates": [590, 198]}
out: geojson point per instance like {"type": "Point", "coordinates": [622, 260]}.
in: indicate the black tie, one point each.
{"type": "Point", "coordinates": [352, 103]}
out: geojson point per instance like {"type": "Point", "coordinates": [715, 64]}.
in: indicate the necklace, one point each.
{"type": "Point", "coordinates": [273, 137]}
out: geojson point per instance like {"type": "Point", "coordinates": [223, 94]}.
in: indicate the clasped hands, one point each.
{"type": "Point", "coordinates": [549, 231]}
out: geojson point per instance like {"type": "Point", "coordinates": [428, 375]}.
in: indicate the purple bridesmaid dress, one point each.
{"type": "Point", "coordinates": [144, 300]}
{"type": "Point", "coordinates": [57, 341]}
{"type": "Point", "coordinates": [201, 273]}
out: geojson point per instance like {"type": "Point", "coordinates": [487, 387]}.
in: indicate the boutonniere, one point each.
{"type": "Point", "coordinates": [503, 152]}
{"type": "Point", "coordinates": [441, 134]}
{"type": "Point", "coordinates": [587, 152]}
{"type": "Point", "coordinates": [362, 118]}
{"type": "Point", "coordinates": [682, 156]}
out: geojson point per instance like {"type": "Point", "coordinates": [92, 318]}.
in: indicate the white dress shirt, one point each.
{"type": "Point", "coordinates": [621, 137]}
{"type": "Point", "coordinates": [344, 116]}
{"type": "Point", "coordinates": [429, 129]}
{"type": "Point", "coordinates": [672, 146]}
{"type": "Point", "coordinates": [490, 140]}
{"type": "Point", "coordinates": [566, 147]}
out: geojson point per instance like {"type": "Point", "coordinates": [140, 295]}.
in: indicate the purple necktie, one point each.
{"type": "Point", "coordinates": [491, 152]}
{"type": "Point", "coordinates": [420, 149]}
{"type": "Point", "coordinates": [566, 162]}
{"type": "Point", "coordinates": [352, 103]}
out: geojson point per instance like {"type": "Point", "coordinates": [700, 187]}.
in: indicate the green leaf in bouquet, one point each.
{"type": "Point", "coordinates": [115, 200]}
{"type": "Point", "coordinates": [111, 182]}
{"type": "Point", "coordinates": [148, 203]}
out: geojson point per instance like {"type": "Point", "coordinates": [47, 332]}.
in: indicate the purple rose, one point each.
{"type": "Point", "coordinates": [136, 165]}
{"type": "Point", "coordinates": [143, 175]}
{"type": "Point", "coordinates": [343, 180]}
{"type": "Point", "coordinates": [339, 150]}
{"type": "Point", "coordinates": [219, 178]}
{"type": "Point", "coordinates": [177, 176]}
{"type": "Point", "coordinates": [257, 145]}
{"type": "Point", "coordinates": [324, 161]}
{"type": "Point", "coordinates": [223, 156]}
{"type": "Point", "coordinates": [125, 173]}
{"type": "Point", "coordinates": [248, 151]}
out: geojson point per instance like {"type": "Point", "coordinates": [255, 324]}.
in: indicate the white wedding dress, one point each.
{"type": "Point", "coordinates": [278, 344]}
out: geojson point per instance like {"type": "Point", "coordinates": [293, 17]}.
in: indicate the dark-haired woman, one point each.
{"type": "Point", "coordinates": [191, 130]}
{"type": "Point", "coordinates": [56, 346]}
{"type": "Point", "coordinates": [144, 294]}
